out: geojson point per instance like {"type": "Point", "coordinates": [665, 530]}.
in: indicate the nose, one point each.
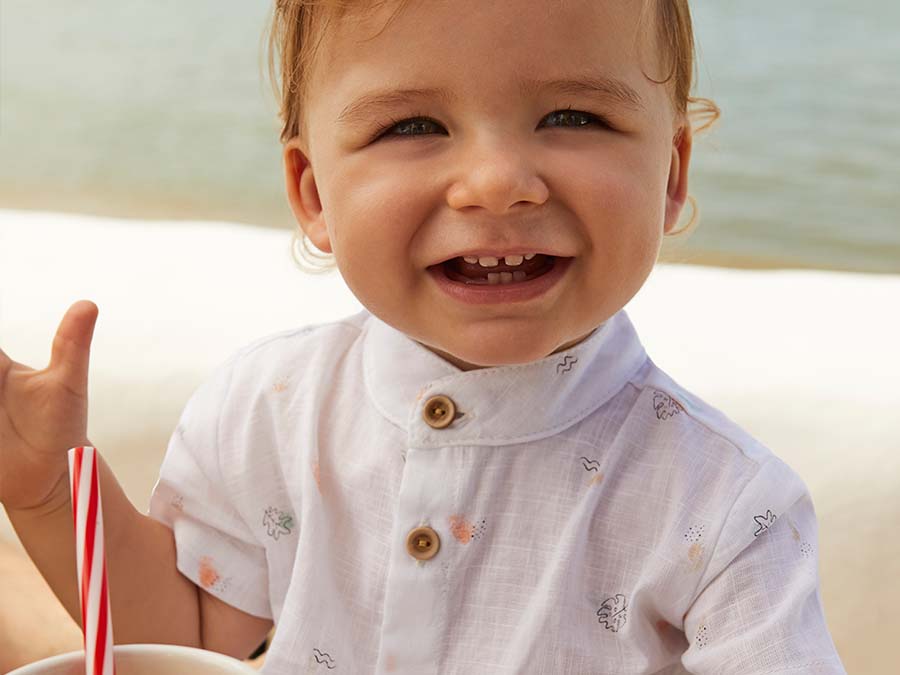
{"type": "Point", "coordinates": [495, 175]}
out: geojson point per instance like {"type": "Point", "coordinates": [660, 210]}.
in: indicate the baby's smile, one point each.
{"type": "Point", "coordinates": [492, 270]}
{"type": "Point", "coordinates": [472, 283]}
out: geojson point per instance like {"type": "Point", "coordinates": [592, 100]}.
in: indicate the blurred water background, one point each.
{"type": "Point", "coordinates": [162, 110]}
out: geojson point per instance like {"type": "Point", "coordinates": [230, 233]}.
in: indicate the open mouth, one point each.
{"type": "Point", "coordinates": [457, 269]}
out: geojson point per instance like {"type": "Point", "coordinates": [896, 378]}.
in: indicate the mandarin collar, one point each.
{"type": "Point", "coordinates": [499, 405]}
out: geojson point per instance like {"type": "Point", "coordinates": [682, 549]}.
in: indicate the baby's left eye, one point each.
{"type": "Point", "coordinates": [569, 114]}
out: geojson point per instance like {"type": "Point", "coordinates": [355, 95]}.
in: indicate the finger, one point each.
{"type": "Point", "coordinates": [71, 351]}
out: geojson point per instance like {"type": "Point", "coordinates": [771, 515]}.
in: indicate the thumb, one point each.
{"type": "Point", "coordinates": [71, 351]}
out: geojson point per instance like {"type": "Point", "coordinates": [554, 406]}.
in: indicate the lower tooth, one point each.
{"type": "Point", "coordinates": [495, 278]}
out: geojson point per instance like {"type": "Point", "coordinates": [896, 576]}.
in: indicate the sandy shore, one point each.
{"type": "Point", "coordinates": [806, 361]}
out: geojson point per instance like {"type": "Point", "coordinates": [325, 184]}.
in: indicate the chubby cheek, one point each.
{"type": "Point", "coordinates": [374, 230]}
{"type": "Point", "coordinates": [368, 269]}
{"type": "Point", "coordinates": [374, 262]}
{"type": "Point", "coordinates": [622, 221]}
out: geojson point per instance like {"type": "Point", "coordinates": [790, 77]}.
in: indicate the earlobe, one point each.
{"type": "Point", "coordinates": [677, 187]}
{"type": "Point", "coordinates": [303, 195]}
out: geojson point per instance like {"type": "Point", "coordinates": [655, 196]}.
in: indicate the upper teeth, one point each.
{"type": "Point", "coordinates": [491, 261]}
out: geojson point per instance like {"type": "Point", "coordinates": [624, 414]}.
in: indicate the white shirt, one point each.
{"type": "Point", "coordinates": [589, 514]}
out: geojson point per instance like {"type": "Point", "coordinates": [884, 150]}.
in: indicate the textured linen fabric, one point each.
{"type": "Point", "coordinates": [593, 516]}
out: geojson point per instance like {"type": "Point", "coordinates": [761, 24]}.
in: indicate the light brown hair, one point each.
{"type": "Point", "coordinates": [298, 26]}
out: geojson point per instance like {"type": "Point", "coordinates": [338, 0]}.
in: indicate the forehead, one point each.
{"type": "Point", "coordinates": [473, 47]}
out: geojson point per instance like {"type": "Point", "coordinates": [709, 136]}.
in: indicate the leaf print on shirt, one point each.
{"type": "Point", "coordinates": [566, 364]}
{"type": "Point", "coordinates": [764, 522]}
{"type": "Point", "coordinates": [665, 406]}
{"type": "Point", "coordinates": [277, 522]}
{"type": "Point", "coordinates": [612, 613]}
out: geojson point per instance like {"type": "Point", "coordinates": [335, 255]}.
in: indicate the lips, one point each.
{"type": "Point", "coordinates": [500, 289]}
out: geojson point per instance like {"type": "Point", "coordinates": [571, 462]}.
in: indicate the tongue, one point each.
{"type": "Point", "coordinates": [476, 271]}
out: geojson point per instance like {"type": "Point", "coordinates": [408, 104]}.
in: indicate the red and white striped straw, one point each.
{"type": "Point", "coordinates": [91, 557]}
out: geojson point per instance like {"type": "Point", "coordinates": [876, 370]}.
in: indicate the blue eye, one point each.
{"type": "Point", "coordinates": [421, 122]}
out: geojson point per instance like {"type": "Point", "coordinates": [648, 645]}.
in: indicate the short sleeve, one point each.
{"type": "Point", "coordinates": [758, 609]}
{"type": "Point", "coordinates": [215, 547]}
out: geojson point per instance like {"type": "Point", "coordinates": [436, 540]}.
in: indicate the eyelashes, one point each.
{"type": "Point", "coordinates": [422, 119]}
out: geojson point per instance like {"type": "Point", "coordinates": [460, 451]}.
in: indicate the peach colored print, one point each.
{"type": "Point", "coordinates": [695, 555]}
{"type": "Point", "coordinates": [315, 468]}
{"type": "Point", "coordinates": [461, 529]}
{"type": "Point", "coordinates": [208, 575]}
{"type": "Point", "coordinates": [596, 479]}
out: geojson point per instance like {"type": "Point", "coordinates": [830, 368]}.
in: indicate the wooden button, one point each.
{"type": "Point", "coordinates": [423, 543]}
{"type": "Point", "coordinates": [439, 411]}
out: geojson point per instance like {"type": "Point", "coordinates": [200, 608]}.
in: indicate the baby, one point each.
{"type": "Point", "coordinates": [483, 471]}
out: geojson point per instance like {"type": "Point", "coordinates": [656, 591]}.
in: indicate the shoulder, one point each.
{"type": "Point", "coordinates": [278, 359]}
{"type": "Point", "coordinates": [696, 417]}
{"type": "Point", "coordinates": [293, 343]}
{"type": "Point", "coordinates": [710, 456]}
{"type": "Point", "coordinates": [295, 351]}
{"type": "Point", "coordinates": [725, 485]}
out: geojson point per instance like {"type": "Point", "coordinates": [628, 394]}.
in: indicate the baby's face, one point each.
{"type": "Point", "coordinates": [494, 169]}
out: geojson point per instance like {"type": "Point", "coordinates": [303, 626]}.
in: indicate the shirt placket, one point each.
{"type": "Point", "coordinates": [415, 615]}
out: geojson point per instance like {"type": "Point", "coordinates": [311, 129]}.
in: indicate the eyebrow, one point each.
{"type": "Point", "coordinates": [602, 87]}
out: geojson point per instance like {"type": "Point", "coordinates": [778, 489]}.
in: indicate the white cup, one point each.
{"type": "Point", "coordinates": [145, 660]}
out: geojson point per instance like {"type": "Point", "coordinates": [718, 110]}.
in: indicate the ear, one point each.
{"type": "Point", "coordinates": [677, 190]}
{"type": "Point", "coordinates": [303, 195]}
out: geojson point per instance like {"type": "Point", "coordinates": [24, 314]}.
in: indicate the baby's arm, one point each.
{"type": "Point", "coordinates": [150, 600]}
{"type": "Point", "coordinates": [43, 413]}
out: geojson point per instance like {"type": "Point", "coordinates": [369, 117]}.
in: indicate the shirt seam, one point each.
{"type": "Point", "coordinates": [678, 398]}
{"type": "Point", "coordinates": [289, 333]}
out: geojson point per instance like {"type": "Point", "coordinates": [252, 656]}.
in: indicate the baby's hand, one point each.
{"type": "Point", "coordinates": [43, 413]}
